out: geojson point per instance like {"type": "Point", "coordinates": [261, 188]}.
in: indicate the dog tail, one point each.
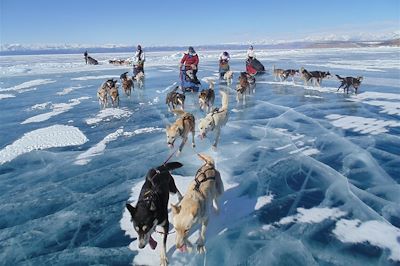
{"type": "Point", "coordinates": [206, 158]}
{"type": "Point", "coordinates": [225, 100]}
{"type": "Point", "coordinates": [211, 84]}
{"type": "Point", "coordinates": [339, 77]}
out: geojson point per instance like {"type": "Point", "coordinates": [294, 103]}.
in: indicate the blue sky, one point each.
{"type": "Point", "coordinates": [188, 22]}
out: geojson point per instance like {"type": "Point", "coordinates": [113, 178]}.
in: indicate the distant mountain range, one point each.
{"type": "Point", "coordinates": [18, 49]}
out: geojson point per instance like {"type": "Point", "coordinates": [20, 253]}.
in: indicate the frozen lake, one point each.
{"type": "Point", "coordinates": [311, 174]}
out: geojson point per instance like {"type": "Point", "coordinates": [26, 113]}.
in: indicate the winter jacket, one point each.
{"type": "Point", "coordinates": [188, 60]}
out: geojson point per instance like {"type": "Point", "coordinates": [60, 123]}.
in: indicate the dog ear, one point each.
{"type": "Point", "coordinates": [175, 209]}
{"type": "Point", "coordinates": [173, 165]}
{"type": "Point", "coordinates": [152, 206]}
{"type": "Point", "coordinates": [130, 208]}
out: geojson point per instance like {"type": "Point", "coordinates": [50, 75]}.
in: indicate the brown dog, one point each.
{"type": "Point", "coordinates": [181, 128]}
{"type": "Point", "coordinates": [114, 94]}
{"type": "Point", "coordinates": [174, 99]}
{"type": "Point", "coordinates": [201, 196]}
{"type": "Point", "coordinates": [206, 98]}
{"type": "Point", "coordinates": [127, 84]}
{"type": "Point", "coordinates": [242, 87]}
{"type": "Point", "coordinates": [279, 73]}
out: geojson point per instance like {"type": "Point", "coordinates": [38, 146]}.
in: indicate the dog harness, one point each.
{"type": "Point", "coordinates": [214, 112]}
{"type": "Point", "coordinates": [185, 117]}
{"type": "Point", "coordinates": [207, 174]}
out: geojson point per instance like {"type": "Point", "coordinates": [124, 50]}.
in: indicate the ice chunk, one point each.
{"type": "Point", "coordinates": [43, 138]}
{"type": "Point", "coordinates": [377, 233]}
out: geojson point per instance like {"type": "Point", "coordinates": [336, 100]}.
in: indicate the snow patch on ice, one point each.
{"type": "Point", "coordinates": [71, 89]}
{"type": "Point", "coordinates": [377, 233]}
{"type": "Point", "coordinates": [313, 96]}
{"type": "Point", "coordinates": [5, 96]}
{"type": "Point", "coordinates": [389, 102]}
{"type": "Point", "coordinates": [99, 148]}
{"type": "Point", "coordinates": [95, 77]}
{"type": "Point", "coordinates": [28, 84]}
{"type": "Point", "coordinates": [306, 87]}
{"type": "Point", "coordinates": [108, 114]}
{"type": "Point", "coordinates": [313, 215]}
{"type": "Point", "coordinates": [43, 138]}
{"type": "Point", "coordinates": [362, 125]}
{"type": "Point", "coordinates": [262, 201]}
{"type": "Point", "coordinates": [58, 108]}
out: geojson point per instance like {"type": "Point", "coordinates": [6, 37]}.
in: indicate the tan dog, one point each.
{"type": "Point", "coordinates": [195, 206]}
{"type": "Point", "coordinates": [206, 98]}
{"type": "Point", "coordinates": [181, 128]}
{"type": "Point", "coordinates": [127, 84]}
{"type": "Point", "coordinates": [139, 79]}
{"type": "Point", "coordinates": [103, 91]}
{"type": "Point", "coordinates": [228, 76]}
{"type": "Point", "coordinates": [242, 87]}
{"type": "Point", "coordinates": [214, 120]}
{"type": "Point", "coordinates": [114, 94]}
{"type": "Point", "coordinates": [279, 73]}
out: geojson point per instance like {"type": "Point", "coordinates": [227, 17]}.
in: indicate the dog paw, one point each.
{"type": "Point", "coordinates": [178, 153]}
{"type": "Point", "coordinates": [201, 249]}
{"type": "Point", "coordinates": [193, 145]}
{"type": "Point", "coordinates": [214, 147]}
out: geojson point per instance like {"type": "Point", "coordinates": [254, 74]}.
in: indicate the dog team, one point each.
{"type": "Point", "coordinates": [316, 77]}
{"type": "Point", "coordinates": [202, 195]}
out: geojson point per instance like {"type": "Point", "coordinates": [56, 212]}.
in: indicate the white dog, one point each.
{"type": "Point", "coordinates": [228, 76]}
{"type": "Point", "coordinates": [215, 120]}
{"type": "Point", "coordinates": [140, 79]}
{"type": "Point", "coordinates": [196, 204]}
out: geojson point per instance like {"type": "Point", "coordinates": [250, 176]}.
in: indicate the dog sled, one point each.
{"type": "Point", "coordinates": [189, 81]}
{"type": "Point", "coordinates": [254, 67]}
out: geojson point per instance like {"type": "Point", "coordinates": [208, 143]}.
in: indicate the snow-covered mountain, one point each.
{"type": "Point", "coordinates": [331, 40]}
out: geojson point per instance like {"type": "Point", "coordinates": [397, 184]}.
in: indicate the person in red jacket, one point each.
{"type": "Point", "coordinates": [191, 61]}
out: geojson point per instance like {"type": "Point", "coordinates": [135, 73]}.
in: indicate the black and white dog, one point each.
{"type": "Point", "coordinates": [152, 206]}
{"type": "Point", "coordinates": [349, 81]}
{"type": "Point", "coordinates": [316, 76]}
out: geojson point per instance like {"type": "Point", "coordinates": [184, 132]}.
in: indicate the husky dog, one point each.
{"type": "Point", "coordinates": [127, 83]}
{"type": "Point", "coordinates": [214, 120]}
{"type": "Point", "coordinates": [152, 206]}
{"type": "Point", "coordinates": [228, 76]}
{"type": "Point", "coordinates": [318, 76]}
{"type": "Point", "coordinates": [181, 128]}
{"type": "Point", "coordinates": [174, 99]}
{"type": "Point", "coordinates": [252, 83]}
{"type": "Point", "coordinates": [114, 94]}
{"type": "Point", "coordinates": [139, 79]}
{"type": "Point", "coordinates": [103, 92]}
{"type": "Point", "coordinates": [117, 62]}
{"type": "Point", "coordinates": [349, 81]}
{"type": "Point", "coordinates": [279, 73]}
{"type": "Point", "coordinates": [290, 73]}
{"type": "Point", "coordinates": [315, 76]}
{"type": "Point", "coordinates": [195, 206]}
{"type": "Point", "coordinates": [206, 98]}
{"type": "Point", "coordinates": [242, 87]}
